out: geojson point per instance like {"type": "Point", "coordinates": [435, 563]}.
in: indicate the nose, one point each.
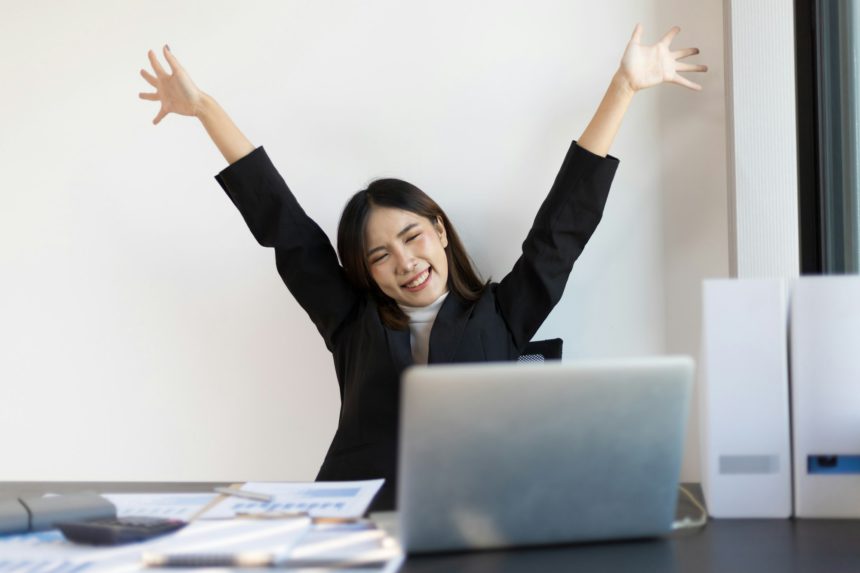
{"type": "Point", "coordinates": [405, 261]}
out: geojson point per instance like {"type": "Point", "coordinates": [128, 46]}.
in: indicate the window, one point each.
{"type": "Point", "coordinates": [827, 36]}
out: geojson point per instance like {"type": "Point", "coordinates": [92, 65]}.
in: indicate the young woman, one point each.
{"type": "Point", "coordinates": [404, 291]}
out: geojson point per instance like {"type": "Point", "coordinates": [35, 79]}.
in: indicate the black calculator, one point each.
{"type": "Point", "coordinates": [116, 530]}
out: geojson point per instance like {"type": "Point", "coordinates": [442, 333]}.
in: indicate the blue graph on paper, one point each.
{"type": "Point", "coordinates": [273, 507]}
{"type": "Point", "coordinates": [43, 540]}
{"type": "Point", "coordinates": [174, 505]}
{"type": "Point", "coordinates": [42, 566]}
{"type": "Point", "coordinates": [245, 506]}
{"type": "Point", "coordinates": [319, 499]}
{"type": "Point", "coordinates": [40, 539]}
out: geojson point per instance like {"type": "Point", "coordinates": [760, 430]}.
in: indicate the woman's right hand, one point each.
{"type": "Point", "coordinates": [176, 92]}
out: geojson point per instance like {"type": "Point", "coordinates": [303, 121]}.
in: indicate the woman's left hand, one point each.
{"type": "Point", "coordinates": [645, 66]}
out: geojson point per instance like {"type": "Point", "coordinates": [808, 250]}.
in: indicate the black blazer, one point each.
{"type": "Point", "coordinates": [368, 356]}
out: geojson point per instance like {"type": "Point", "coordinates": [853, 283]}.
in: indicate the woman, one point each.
{"type": "Point", "coordinates": [406, 292]}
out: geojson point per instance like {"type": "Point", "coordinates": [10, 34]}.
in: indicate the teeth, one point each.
{"type": "Point", "coordinates": [420, 280]}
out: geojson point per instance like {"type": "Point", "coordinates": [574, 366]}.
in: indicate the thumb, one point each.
{"type": "Point", "coordinates": [636, 38]}
{"type": "Point", "coordinates": [159, 117]}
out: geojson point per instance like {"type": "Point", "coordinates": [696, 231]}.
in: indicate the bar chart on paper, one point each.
{"type": "Point", "coordinates": [318, 499]}
{"type": "Point", "coordinates": [32, 552]}
{"type": "Point", "coordinates": [169, 505]}
{"type": "Point", "coordinates": [44, 566]}
{"type": "Point", "coordinates": [47, 552]}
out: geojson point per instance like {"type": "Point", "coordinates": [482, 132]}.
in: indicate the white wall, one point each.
{"type": "Point", "coordinates": [144, 335]}
{"type": "Point", "coordinates": [694, 201]}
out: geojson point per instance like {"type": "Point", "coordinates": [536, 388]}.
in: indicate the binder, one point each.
{"type": "Point", "coordinates": [744, 399]}
{"type": "Point", "coordinates": [825, 366]}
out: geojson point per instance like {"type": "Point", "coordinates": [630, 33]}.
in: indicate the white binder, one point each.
{"type": "Point", "coordinates": [825, 367]}
{"type": "Point", "coordinates": [744, 407]}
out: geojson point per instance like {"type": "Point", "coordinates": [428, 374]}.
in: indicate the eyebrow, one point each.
{"type": "Point", "coordinates": [405, 230]}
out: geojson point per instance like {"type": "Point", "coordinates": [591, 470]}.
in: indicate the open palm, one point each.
{"type": "Point", "coordinates": [645, 66]}
{"type": "Point", "coordinates": [176, 92]}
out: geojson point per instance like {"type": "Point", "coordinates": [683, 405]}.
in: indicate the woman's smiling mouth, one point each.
{"type": "Point", "coordinates": [419, 282]}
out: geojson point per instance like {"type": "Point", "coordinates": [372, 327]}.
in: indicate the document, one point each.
{"type": "Point", "coordinates": [287, 543]}
{"type": "Point", "coordinates": [371, 549]}
{"type": "Point", "coordinates": [49, 552]}
{"type": "Point", "coordinates": [318, 499]}
{"type": "Point", "coordinates": [228, 543]}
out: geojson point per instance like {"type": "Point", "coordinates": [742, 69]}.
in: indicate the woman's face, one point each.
{"type": "Point", "coordinates": [406, 255]}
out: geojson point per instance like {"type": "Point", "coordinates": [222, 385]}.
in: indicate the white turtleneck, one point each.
{"type": "Point", "coordinates": [421, 320]}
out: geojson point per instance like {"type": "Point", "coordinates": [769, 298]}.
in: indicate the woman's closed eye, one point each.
{"type": "Point", "coordinates": [383, 256]}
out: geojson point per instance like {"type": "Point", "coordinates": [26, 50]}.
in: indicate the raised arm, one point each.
{"type": "Point", "coordinates": [305, 258]}
{"type": "Point", "coordinates": [574, 206]}
{"type": "Point", "coordinates": [641, 67]}
{"type": "Point", "coordinates": [178, 94]}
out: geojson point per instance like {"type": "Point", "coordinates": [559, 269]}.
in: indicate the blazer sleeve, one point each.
{"type": "Point", "coordinates": [305, 258]}
{"type": "Point", "coordinates": [564, 223]}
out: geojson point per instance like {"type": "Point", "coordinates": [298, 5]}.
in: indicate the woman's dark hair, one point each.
{"type": "Point", "coordinates": [352, 247]}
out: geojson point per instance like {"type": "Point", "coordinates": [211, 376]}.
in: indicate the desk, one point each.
{"type": "Point", "coordinates": [726, 545]}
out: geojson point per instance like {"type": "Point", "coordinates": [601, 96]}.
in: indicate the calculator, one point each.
{"type": "Point", "coordinates": [116, 530]}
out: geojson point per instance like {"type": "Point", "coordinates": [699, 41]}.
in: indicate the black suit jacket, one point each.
{"type": "Point", "coordinates": [370, 357]}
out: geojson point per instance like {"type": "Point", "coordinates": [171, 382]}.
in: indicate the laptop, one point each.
{"type": "Point", "coordinates": [504, 454]}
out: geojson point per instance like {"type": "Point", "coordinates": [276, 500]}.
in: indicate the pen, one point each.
{"type": "Point", "coordinates": [263, 559]}
{"type": "Point", "coordinates": [256, 496]}
{"type": "Point", "coordinates": [249, 559]}
{"type": "Point", "coordinates": [372, 559]}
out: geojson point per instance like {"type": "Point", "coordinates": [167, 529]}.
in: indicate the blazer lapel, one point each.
{"type": "Point", "coordinates": [448, 328]}
{"type": "Point", "coordinates": [399, 348]}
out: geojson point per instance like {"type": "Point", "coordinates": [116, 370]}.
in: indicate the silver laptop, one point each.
{"type": "Point", "coordinates": [507, 454]}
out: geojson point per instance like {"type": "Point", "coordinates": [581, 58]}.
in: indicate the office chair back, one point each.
{"type": "Point", "coordinates": [542, 350]}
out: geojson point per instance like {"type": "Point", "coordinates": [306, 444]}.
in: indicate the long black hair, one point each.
{"type": "Point", "coordinates": [352, 247]}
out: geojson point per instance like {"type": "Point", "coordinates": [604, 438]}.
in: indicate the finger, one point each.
{"type": "Point", "coordinates": [682, 81]}
{"type": "Point", "coordinates": [149, 78]}
{"type": "Point", "coordinates": [159, 117]}
{"type": "Point", "coordinates": [159, 71]}
{"type": "Point", "coordinates": [670, 35]}
{"type": "Point", "coordinates": [637, 34]}
{"type": "Point", "coordinates": [691, 67]}
{"type": "Point", "coordinates": [148, 96]}
{"type": "Point", "coordinates": [171, 60]}
{"type": "Point", "coordinates": [685, 53]}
